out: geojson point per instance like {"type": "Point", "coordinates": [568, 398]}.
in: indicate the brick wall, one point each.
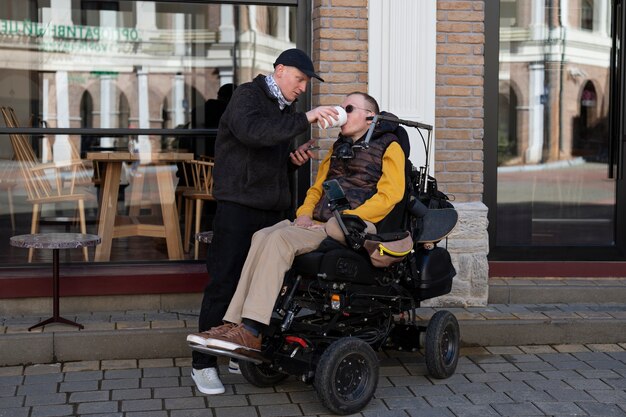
{"type": "Point", "coordinates": [459, 98]}
{"type": "Point", "coordinates": [340, 53]}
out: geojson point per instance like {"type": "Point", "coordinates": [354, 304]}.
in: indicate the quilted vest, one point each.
{"type": "Point", "coordinates": [357, 176]}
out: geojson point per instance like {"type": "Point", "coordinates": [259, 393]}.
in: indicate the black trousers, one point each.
{"type": "Point", "coordinates": [233, 227]}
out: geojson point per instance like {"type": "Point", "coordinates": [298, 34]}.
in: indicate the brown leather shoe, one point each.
{"type": "Point", "coordinates": [236, 338]}
{"type": "Point", "coordinates": [201, 338]}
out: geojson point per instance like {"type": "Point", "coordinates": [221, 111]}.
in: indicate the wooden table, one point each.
{"type": "Point", "coordinates": [55, 241]}
{"type": "Point", "coordinates": [111, 225]}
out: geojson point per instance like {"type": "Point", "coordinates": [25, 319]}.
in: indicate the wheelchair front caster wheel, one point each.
{"type": "Point", "coordinates": [260, 375]}
{"type": "Point", "coordinates": [347, 375]}
{"type": "Point", "coordinates": [442, 345]}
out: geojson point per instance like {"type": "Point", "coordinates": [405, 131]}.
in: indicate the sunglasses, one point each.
{"type": "Point", "coordinates": [349, 108]}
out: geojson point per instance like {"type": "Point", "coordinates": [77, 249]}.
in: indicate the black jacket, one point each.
{"type": "Point", "coordinates": [252, 148]}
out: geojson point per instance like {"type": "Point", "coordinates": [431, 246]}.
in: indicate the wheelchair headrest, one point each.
{"type": "Point", "coordinates": [387, 126]}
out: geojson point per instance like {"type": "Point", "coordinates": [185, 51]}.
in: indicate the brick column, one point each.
{"type": "Point", "coordinates": [459, 143]}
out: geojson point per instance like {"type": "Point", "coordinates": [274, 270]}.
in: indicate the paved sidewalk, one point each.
{"type": "Point", "coordinates": [558, 380]}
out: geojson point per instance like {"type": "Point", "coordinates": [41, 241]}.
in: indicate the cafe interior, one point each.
{"type": "Point", "coordinates": [109, 119]}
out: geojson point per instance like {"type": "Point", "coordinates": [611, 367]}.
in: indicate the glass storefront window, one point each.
{"type": "Point", "coordinates": [91, 65]}
{"type": "Point", "coordinates": [553, 133]}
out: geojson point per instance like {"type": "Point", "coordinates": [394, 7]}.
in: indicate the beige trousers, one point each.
{"type": "Point", "coordinates": [270, 257]}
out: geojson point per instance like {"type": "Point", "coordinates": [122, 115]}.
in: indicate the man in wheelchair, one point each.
{"type": "Point", "coordinates": [322, 315]}
{"type": "Point", "coordinates": [373, 182]}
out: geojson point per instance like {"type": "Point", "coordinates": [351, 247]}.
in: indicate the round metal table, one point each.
{"type": "Point", "coordinates": [55, 241]}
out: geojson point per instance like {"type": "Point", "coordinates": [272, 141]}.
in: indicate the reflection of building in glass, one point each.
{"type": "Point", "coordinates": [554, 80]}
{"type": "Point", "coordinates": [144, 64]}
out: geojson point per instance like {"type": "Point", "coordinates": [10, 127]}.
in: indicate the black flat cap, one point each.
{"type": "Point", "coordinates": [299, 59]}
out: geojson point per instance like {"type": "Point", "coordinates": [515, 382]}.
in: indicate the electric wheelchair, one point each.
{"type": "Point", "coordinates": [336, 309]}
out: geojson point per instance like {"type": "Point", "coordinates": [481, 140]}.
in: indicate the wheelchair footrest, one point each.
{"type": "Point", "coordinates": [250, 356]}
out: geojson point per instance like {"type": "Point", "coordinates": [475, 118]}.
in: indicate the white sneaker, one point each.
{"type": "Point", "coordinates": [208, 381]}
{"type": "Point", "coordinates": [233, 366]}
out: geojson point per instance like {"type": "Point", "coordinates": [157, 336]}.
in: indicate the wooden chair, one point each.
{"type": "Point", "coordinates": [7, 183]}
{"type": "Point", "coordinates": [202, 179]}
{"type": "Point", "coordinates": [47, 183]}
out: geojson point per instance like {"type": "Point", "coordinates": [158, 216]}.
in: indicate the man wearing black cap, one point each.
{"type": "Point", "coordinates": [253, 159]}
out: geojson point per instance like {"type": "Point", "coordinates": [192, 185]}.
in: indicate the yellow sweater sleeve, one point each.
{"type": "Point", "coordinates": [390, 188]}
{"type": "Point", "coordinates": [314, 194]}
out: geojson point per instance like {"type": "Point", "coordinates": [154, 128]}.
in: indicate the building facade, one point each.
{"type": "Point", "coordinates": [524, 96]}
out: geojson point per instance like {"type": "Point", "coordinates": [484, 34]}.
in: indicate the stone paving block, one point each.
{"type": "Point", "coordinates": [563, 375]}
{"type": "Point", "coordinates": [183, 362]}
{"type": "Point", "coordinates": [548, 384]}
{"type": "Point", "coordinates": [486, 377]}
{"type": "Point", "coordinates": [598, 373]}
{"type": "Point", "coordinates": [393, 371]}
{"type": "Point", "coordinates": [309, 396]}
{"type": "Point", "coordinates": [88, 396]}
{"type": "Point", "coordinates": [123, 374]}
{"type": "Point", "coordinates": [83, 376]}
{"type": "Point", "coordinates": [517, 409]}
{"type": "Point", "coordinates": [410, 381]}
{"type": "Point", "coordinates": [570, 348]}
{"type": "Point", "coordinates": [570, 365]}
{"type": "Point", "coordinates": [279, 410]}
{"type": "Point", "coordinates": [528, 396]}
{"type": "Point", "coordinates": [35, 389]}
{"type": "Point", "coordinates": [156, 363]}
{"type": "Point", "coordinates": [43, 379]}
{"type": "Point", "coordinates": [142, 405]}
{"type": "Point", "coordinates": [503, 350]}
{"type": "Point", "coordinates": [161, 372]}
{"type": "Point", "coordinates": [609, 396]}
{"type": "Point", "coordinates": [607, 364]}
{"type": "Point", "coordinates": [431, 390]}
{"type": "Point", "coordinates": [147, 414]}
{"type": "Point", "coordinates": [595, 409]}
{"type": "Point", "coordinates": [14, 412]}
{"type": "Point", "coordinates": [569, 395]}
{"type": "Point", "coordinates": [45, 399]}
{"type": "Point", "coordinates": [251, 389]}
{"type": "Point", "coordinates": [11, 370]}
{"type": "Point", "coordinates": [470, 387]}
{"type": "Point", "coordinates": [100, 407]}
{"type": "Point", "coordinates": [224, 400]}
{"type": "Point", "coordinates": [182, 403]}
{"type": "Point", "coordinates": [191, 413]}
{"type": "Point", "coordinates": [446, 400]}
{"type": "Point", "coordinates": [115, 384]}
{"type": "Point", "coordinates": [523, 376]}
{"type": "Point", "coordinates": [118, 364]}
{"type": "Point", "coordinates": [311, 409]}
{"type": "Point", "coordinates": [587, 384]}
{"type": "Point", "coordinates": [560, 408]}
{"type": "Point", "coordinates": [81, 366]}
{"type": "Point", "coordinates": [159, 382]}
{"type": "Point", "coordinates": [479, 398]}
{"type": "Point", "coordinates": [52, 410]}
{"type": "Point", "coordinates": [173, 392]}
{"type": "Point", "coordinates": [236, 412]}
{"type": "Point", "coordinates": [76, 386]}
{"type": "Point", "coordinates": [506, 386]}
{"type": "Point", "coordinates": [7, 390]}
{"type": "Point", "coordinates": [430, 412]}
{"type": "Point", "coordinates": [42, 369]}
{"type": "Point", "coordinates": [265, 399]}
{"type": "Point", "coordinates": [12, 402]}
{"type": "Point", "coordinates": [537, 349]}
{"type": "Point", "coordinates": [498, 367]}
{"type": "Point", "coordinates": [535, 366]}
{"type": "Point", "coordinates": [478, 350]}
{"type": "Point", "coordinates": [474, 411]}
{"type": "Point", "coordinates": [391, 392]}
{"type": "Point", "coordinates": [131, 394]}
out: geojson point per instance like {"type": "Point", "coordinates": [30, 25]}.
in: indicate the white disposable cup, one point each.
{"type": "Point", "coordinates": [341, 120]}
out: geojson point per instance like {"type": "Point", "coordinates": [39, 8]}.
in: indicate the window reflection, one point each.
{"type": "Point", "coordinates": [553, 134]}
{"type": "Point", "coordinates": [121, 64]}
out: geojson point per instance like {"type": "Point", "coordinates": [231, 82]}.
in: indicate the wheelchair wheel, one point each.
{"type": "Point", "coordinates": [260, 375]}
{"type": "Point", "coordinates": [346, 375]}
{"type": "Point", "coordinates": [442, 345]}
